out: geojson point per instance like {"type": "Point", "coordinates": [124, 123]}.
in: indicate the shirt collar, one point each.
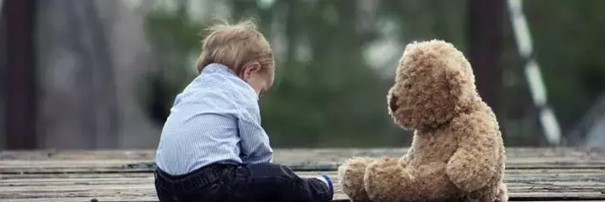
{"type": "Point", "coordinates": [216, 67]}
{"type": "Point", "coordinates": [223, 69]}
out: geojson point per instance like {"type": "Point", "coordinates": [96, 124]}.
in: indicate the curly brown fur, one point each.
{"type": "Point", "coordinates": [457, 150]}
{"type": "Point", "coordinates": [353, 185]}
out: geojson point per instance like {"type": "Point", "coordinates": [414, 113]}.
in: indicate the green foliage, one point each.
{"type": "Point", "coordinates": [568, 36]}
{"type": "Point", "coordinates": [328, 93]}
{"type": "Point", "coordinates": [173, 36]}
{"type": "Point", "coordinates": [331, 97]}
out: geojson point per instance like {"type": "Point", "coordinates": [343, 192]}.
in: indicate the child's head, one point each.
{"type": "Point", "coordinates": [243, 49]}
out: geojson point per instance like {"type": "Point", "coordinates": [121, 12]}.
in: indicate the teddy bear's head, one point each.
{"type": "Point", "coordinates": [434, 82]}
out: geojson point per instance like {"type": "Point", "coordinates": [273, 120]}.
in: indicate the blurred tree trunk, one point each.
{"type": "Point", "coordinates": [92, 54]}
{"type": "Point", "coordinates": [3, 78]}
{"type": "Point", "coordinates": [18, 20]}
{"type": "Point", "coordinates": [485, 37]}
{"type": "Point", "coordinates": [78, 101]}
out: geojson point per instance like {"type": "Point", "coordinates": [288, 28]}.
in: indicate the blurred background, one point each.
{"type": "Point", "coordinates": [100, 74]}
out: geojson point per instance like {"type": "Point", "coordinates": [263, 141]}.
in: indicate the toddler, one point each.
{"type": "Point", "coordinates": [212, 146]}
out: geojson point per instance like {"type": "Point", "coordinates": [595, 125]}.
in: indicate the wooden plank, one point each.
{"type": "Point", "coordinates": [289, 154]}
{"type": "Point", "coordinates": [147, 190]}
{"type": "Point", "coordinates": [45, 186]}
{"type": "Point", "coordinates": [81, 199]}
{"type": "Point", "coordinates": [532, 174]}
{"type": "Point", "coordinates": [141, 185]}
{"type": "Point", "coordinates": [320, 159]}
{"type": "Point", "coordinates": [133, 167]}
{"type": "Point", "coordinates": [14, 162]}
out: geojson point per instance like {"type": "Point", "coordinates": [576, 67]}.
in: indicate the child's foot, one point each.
{"type": "Point", "coordinates": [326, 179]}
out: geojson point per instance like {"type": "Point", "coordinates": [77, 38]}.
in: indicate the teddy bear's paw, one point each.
{"type": "Point", "coordinates": [497, 193]}
{"type": "Point", "coordinates": [351, 175]}
{"type": "Point", "coordinates": [502, 195]}
{"type": "Point", "coordinates": [387, 180]}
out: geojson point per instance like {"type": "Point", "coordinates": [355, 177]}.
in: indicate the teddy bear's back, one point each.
{"type": "Point", "coordinates": [436, 147]}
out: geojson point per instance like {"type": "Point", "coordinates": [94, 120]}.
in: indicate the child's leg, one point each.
{"type": "Point", "coordinates": [203, 184]}
{"type": "Point", "coordinates": [271, 182]}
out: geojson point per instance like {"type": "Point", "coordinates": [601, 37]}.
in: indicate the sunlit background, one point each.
{"type": "Point", "coordinates": [101, 74]}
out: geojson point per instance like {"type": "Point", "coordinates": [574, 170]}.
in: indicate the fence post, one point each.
{"type": "Point", "coordinates": [18, 17]}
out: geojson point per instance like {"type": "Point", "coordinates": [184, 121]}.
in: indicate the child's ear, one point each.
{"type": "Point", "coordinates": [248, 69]}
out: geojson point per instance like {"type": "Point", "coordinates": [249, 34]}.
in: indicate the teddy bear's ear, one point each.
{"type": "Point", "coordinates": [461, 82]}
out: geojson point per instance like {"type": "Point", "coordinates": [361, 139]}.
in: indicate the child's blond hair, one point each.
{"type": "Point", "coordinates": [234, 46]}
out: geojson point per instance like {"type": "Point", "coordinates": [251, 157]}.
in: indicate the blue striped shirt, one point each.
{"type": "Point", "coordinates": [215, 119]}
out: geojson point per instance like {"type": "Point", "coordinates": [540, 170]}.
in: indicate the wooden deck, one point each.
{"type": "Point", "coordinates": [546, 174]}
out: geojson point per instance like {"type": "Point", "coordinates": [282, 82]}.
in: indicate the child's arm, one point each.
{"type": "Point", "coordinates": [254, 143]}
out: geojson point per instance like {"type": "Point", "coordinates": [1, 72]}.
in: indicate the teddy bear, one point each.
{"type": "Point", "coordinates": [457, 152]}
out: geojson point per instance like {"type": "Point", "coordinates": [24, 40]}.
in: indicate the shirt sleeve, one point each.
{"type": "Point", "coordinates": [254, 142]}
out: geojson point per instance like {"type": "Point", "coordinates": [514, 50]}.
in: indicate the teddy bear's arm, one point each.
{"type": "Point", "coordinates": [474, 163]}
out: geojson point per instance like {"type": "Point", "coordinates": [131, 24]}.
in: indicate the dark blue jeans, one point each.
{"type": "Point", "coordinates": [246, 183]}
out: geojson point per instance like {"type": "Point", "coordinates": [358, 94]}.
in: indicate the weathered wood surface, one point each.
{"type": "Point", "coordinates": [553, 174]}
